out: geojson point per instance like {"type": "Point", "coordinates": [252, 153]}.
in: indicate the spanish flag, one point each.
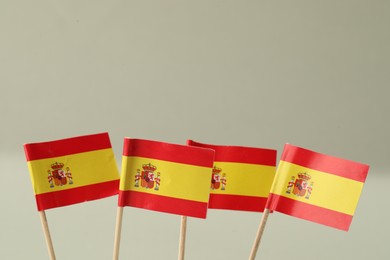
{"type": "Point", "coordinates": [73, 170]}
{"type": "Point", "coordinates": [241, 178]}
{"type": "Point", "coordinates": [165, 177]}
{"type": "Point", "coordinates": [317, 187]}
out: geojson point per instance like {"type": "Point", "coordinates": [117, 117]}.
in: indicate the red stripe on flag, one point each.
{"type": "Point", "coordinates": [240, 154]}
{"type": "Point", "coordinates": [325, 163]}
{"type": "Point", "coordinates": [76, 195]}
{"type": "Point", "coordinates": [309, 212]}
{"type": "Point", "coordinates": [237, 202]}
{"type": "Point", "coordinates": [168, 152]}
{"type": "Point", "coordinates": [74, 145]}
{"type": "Point", "coordinates": [162, 203]}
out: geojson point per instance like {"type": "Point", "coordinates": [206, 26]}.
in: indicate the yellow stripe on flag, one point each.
{"type": "Point", "coordinates": [178, 180]}
{"type": "Point", "coordinates": [86, 168]}
{"type": "Point", "coordinates": [328, 191]}
{"type": "Point", "coordinates": [246, 179]}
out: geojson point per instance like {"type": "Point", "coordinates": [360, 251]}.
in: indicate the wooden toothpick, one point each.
{"type": "Point", "coordinates": [118, 229]}
{"type": "Point", "coordinates": [183, 229]}
{"type": "Point", "coordinates": [45, 228]}
{"type": "Point", "coordinates": [259, 234]}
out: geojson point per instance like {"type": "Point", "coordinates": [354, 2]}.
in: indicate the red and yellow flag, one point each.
{"type": "Point", "coordinates": [317, 187]}
{"type": "Point", "coordinates": [165, 177]}
{"type": "Point", "coordinates": [241, 178]}
{"type": "Point", "coordinates": [72, 170]}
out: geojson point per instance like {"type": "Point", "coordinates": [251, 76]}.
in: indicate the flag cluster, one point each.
{"type": "Point", "coordinates": [189, 179]}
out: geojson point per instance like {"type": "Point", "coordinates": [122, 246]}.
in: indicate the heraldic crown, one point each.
{"type": "Point", "coordinates": [57, 166]}
{"type": "Point", "coordinates": [149, 167]}
{"type": "Point", "coordinates": [304, 176]}
{"type": "Point", "coordinates": [216, 170]}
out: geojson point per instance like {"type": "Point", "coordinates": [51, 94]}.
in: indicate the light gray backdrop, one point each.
{"type": "Point", "coordinates": [252, 73]}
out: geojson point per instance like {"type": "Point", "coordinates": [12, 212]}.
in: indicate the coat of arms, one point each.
{"type": "Point", "coordinates": [148, 177]}
{"type": "Point", "coordinates": [301, 186]}
{"type": "Point", "coordinates": [216, 180]}
{"type": "Point", "coordinates": [58, 176]}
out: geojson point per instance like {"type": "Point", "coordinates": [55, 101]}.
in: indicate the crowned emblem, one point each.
{"type": "Point", "coordinates": [148, 177]}
{"type": "Point", "coordinates": [300, 186]}
{"type": "Point", "coordinates": [59, 176]}
{"type": "Point", "coordinates": [216, 180]}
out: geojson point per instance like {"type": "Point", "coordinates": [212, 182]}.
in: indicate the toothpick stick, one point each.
{"type": "Point", "coordinates": [183, 229]}
{"type": "Point", "coordinates": [118, 229]}
{"type": "Point", "coordinates": [259, 234]}
{"type": "Point", "coordinates": [45, 227]}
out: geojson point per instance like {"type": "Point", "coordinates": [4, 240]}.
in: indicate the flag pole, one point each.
{"type": "Point", "coordinates": [45, 228]}
{"type": "Point", "coordinates": [259, 234]}
{"type": "Point", "coordinates": [118, 229]}
{"type": "Point", "coordinates": [183, 230]}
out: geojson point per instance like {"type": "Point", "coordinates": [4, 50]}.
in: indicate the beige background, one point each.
{"type": "Point", "coordinates": [255, 73]}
